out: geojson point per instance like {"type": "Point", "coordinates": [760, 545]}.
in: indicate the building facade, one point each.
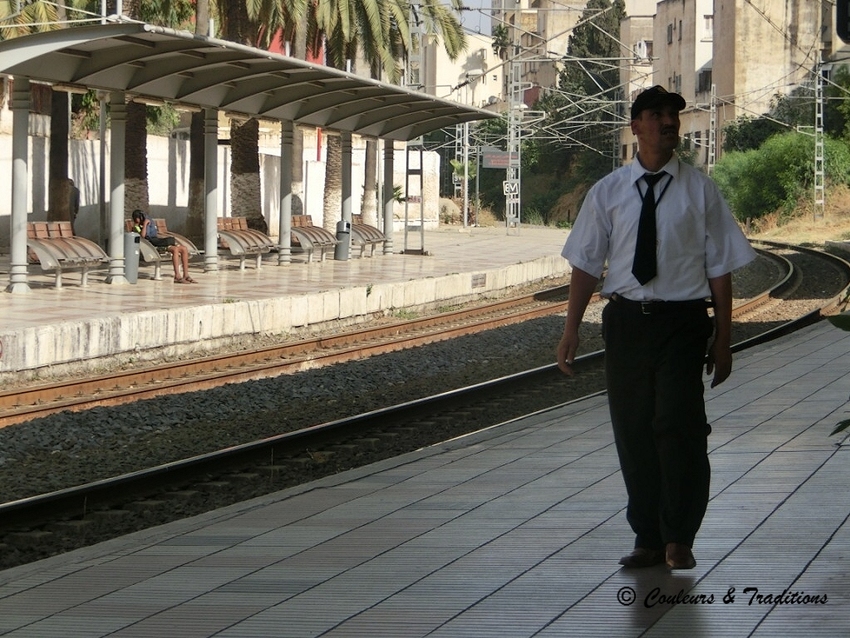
{"type": "Point", "coordinates": [728, 59]}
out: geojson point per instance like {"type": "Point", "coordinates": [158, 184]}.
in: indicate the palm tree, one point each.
{"type": "Point", "coordinates": [379, 30]}
{"type": "Point", "coordinates": [254, 23]}
{"type": "Point", "coordinates": [197, 155]}
{"type": "Point", "coordinates": [171, 13]}
{"type": "Point", "coordinates": [438, 21]}
{"type": "Point", "coordinates": [33, 18]}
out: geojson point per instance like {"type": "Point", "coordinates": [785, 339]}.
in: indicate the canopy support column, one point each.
{"type": "Point", "coordinates": [20, 178]}
{"type": "Point", "coordinates": [210, 190]}
{"type": "Point", "coordinates": [389, 191]}
{"type": "Point", "coordinates": [118, 119]}
{"type": "Point", "coordinates": [345, 136]}
{"type": "Point", "coordinates": [287, 136]}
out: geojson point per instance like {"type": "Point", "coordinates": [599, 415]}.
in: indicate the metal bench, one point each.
{"type": "Point", "coordinates": [243, 242]}
{"type": "Point", "coordinates": [365, 235]}
{"type": "Point", "coordinates": [162, 231]}
{"type": "Point", "coordinates": [54, 246]}
{"type": "Point", "coordinates": [308, 238]}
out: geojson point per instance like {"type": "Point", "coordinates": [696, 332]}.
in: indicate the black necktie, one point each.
{"type": "Point", "coordinates": [644, 267]}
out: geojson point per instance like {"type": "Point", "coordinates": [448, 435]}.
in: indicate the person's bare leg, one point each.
{"type": "Point", "coordinates": [184, 255]}
{"type": "Point", "coordinates": [175, 263]}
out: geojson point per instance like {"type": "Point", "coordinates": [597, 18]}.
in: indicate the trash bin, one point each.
{"type": "Point", "coordinates": [343, 236]}
{"type": "Point", "coordinates": [132, 248]}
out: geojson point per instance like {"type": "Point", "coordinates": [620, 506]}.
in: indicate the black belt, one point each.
{"type": "Point", "coordinates": [660, 307]}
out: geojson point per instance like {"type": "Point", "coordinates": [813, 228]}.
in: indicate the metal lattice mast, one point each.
{"type": "Point", "coordinates": [712, 130]}
{"type": "Point", "coordinates": [456, 179]}
{"type": "Point", "coordinates": [616, 160]}
{"type": "Point", "coordinates": [512, 186]}
{"type": "Point", "coordinates": [414, 77]}
{"type": "Point", "coordinates": [819, 192]}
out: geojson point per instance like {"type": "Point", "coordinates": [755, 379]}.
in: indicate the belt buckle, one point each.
{"type": "Point", "coordinates": [646, 307]}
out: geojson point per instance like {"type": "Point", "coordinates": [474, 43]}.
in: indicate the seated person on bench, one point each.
{"type": "Point", "coordinates": [179, 254]}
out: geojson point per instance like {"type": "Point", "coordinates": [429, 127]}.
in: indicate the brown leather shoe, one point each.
{"type": "Point", "coordinates": [680, 556]}
{"type": "Point", "coordinates": [642, 557]}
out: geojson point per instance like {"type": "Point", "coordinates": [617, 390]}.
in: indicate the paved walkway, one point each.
{"type": "Point", "coordinates": [511, 532]}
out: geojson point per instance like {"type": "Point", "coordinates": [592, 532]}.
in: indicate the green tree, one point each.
{"type": "Point", "coordinates": [837, 114]}
{"type": "Point", "coordinates": [195, 216]}
{"type": "Point", "coordinates": [35, 18]}
{"type": "Point", "coordinates": [775, 176]}
{"type": "Point", "coordinates": [748, 133]}
{"type": "Point", "coordinates": [253, 23]}
{"type": "Point", "coordinates": [792, 111]}
{"type": "Point", "coordinates": [378, 29]}
{"type": "Point", "coordinates": [584, 109]}
{"type": "Point", "coordinates": [170, 13]}
{"type": "Point", "coordinates": [593, 52]}
{"type": "Point", "coordinates": [501, 41]}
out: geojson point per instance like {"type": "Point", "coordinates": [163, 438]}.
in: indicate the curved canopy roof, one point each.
{"type": "Point", "coordinates": [178, 67]}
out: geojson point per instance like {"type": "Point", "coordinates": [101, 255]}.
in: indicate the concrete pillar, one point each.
{"type": "Point", "coordinates": [389, 156]}
{"type": "Point", "coordinates": [118, 119]}
{"type": "Point", "coordinates": [210, 190]}
{"type": "Point", "coordinates": [20, 181]}
{"type": "Point", "coordinates": [284, 254]}
{"type": "Point", "coordinates": [345, 136]}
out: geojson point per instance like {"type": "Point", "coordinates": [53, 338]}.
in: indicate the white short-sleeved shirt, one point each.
{"type": "Point", "coordinates": [698, 238]}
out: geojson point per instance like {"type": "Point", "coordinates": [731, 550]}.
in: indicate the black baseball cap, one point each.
{"type": "Point", "coordinates": [654, 97]}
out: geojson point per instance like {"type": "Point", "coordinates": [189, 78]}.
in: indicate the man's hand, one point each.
{"type": "Point", "coordinates": [566, 353]}
{"type": "Point", "coordinates": [720, 352]}
{"type": "Point", "coordinates": [582, 285]}
{"type": "Point", "coordinates": [719, 362]}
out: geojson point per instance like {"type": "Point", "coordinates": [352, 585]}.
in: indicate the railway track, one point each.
{"type": "Point", "coordinates": [53, 522]}
{"type": "Point", "coordinates": [25, 403]}
{"type": "Point", "coordinates": [22, 404]}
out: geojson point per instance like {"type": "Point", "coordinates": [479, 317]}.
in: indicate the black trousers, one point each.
{"type": "Point", "coordinates": [654, 365]}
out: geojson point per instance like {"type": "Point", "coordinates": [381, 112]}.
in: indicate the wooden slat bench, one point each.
{"type": "Point", "coordinates": [54, 246]}
{"type": "Point", "coordinates": [243, 242]}
{"type": "Point", "coordinates": [365, 235]}
{"type": "Point", "coordinates": [162, 231]}
{"type": "Point", "coordinates": [309, 238]}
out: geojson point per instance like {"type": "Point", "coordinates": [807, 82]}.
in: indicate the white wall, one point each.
{"type": "Point", "coordinates": [168, 175]}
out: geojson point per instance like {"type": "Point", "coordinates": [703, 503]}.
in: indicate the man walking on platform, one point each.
{"type": "Point", "coordinates": [670, 243]}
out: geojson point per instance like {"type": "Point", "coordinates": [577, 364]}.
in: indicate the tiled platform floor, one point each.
{"type": "Point", "coordinates": [512, 532]}
{"type": "Point", "coordinates": [451, 249]}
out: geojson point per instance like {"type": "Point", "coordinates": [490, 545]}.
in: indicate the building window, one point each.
{"type": "Point", "coordinates": [709, 27]}
{"type": "Point", "coordinates": [680, 30]}
{"type": "Point", "coordinates": [670, 33]}
{"type": "Point", "coordinates": [704, 81]}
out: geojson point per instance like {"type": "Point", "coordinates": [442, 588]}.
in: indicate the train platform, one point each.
{"type": "Point", "coordinates": [511, 532]}
{"type": "Point", "coordinates": [47, 328]}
